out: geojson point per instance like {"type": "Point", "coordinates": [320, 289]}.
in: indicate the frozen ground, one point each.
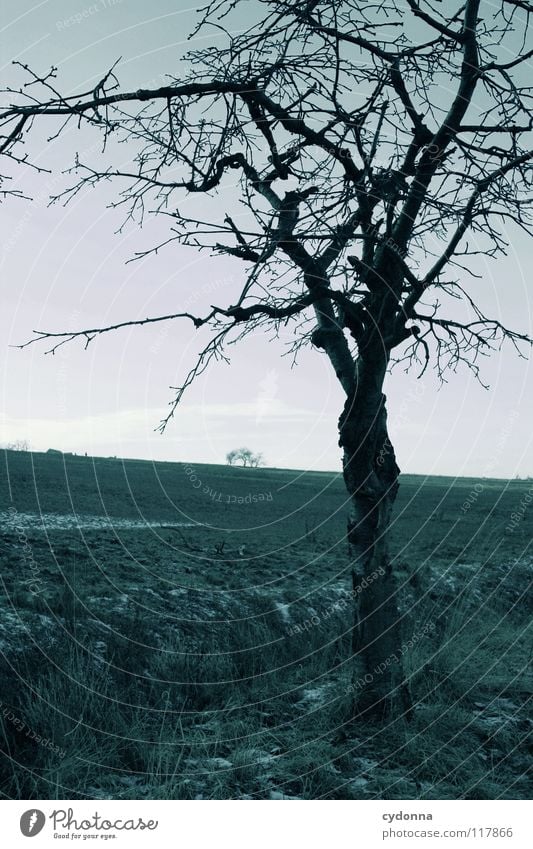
{"type": "Point", "coordinates": [14, 521]}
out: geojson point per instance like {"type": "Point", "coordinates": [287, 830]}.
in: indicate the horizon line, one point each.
{"type": "Point", "coordinates": [84, 455]}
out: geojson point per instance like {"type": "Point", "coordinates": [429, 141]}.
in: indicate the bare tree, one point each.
{"type": "Point", "coordinates": [18, 445]}
{"type": "Point", "coordinates": [244, 457]}
{"type": "Point", "coordinates": [378, 148]}
{"type": "Point", "coordinates": [231, 457]}
{"type": "Point", "coordinates": [257, 460]}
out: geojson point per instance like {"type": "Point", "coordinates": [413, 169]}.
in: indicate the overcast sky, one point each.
{"type": "Point", "coordinates": [65, 268]}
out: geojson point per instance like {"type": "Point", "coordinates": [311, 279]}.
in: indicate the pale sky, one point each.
{"type": "Point", "coordinates": [65, 268]}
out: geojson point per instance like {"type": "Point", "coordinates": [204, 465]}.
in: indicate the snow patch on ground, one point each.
{"type": "Point", "coordinates": [66, 522]}
{"type": "Point", "coordinates": [284, 611]}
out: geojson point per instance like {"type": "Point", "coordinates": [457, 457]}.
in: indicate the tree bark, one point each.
{"type": "Point", "coordinates": [371, 477]}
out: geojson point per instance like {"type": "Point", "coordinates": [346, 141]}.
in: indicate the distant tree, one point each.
{"type": "Point", "coordinates": [18, 445]}
{"type": "Point", "coordinates": [377, 147]}
{"type": "Point", "coordinates": [231, 457]}
{"type": "Point", "coordinates": [257, 460]}
{"type": "Point", "coordinates": [244, 457]}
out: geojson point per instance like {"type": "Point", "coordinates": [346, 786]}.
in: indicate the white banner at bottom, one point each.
{"type": "Point", "coordinates": [266, 824]}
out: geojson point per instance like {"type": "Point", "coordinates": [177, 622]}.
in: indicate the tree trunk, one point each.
{"type": "Point", "coordinates": [371, 478]}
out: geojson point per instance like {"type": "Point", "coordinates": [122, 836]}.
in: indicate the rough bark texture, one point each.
{"type": "Point", "coordinates": [371, 478]}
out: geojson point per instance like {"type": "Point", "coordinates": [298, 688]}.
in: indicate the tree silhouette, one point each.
{"type": "Point", "coordinates": [244, 457]}
{"type": "Point", "coordinates": [18, 445]}
{"type": "Point", "coordinates": [378, 149]}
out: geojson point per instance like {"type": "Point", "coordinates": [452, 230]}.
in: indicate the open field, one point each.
{"type": "Point", "coordinates": [175, 631]}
